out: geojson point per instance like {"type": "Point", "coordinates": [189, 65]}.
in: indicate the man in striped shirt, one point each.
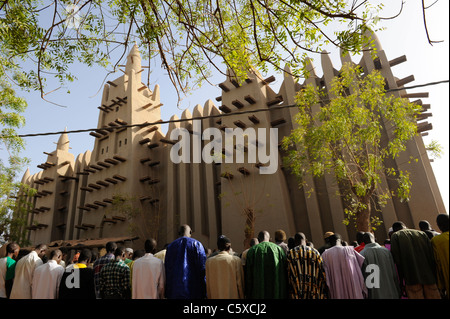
{"type": "Point", "coordinates": [115, 278]}
{"type": "Point", "coordinates": [305, 271]}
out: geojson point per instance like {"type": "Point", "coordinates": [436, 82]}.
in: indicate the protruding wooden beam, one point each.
{"type": "Point", "coordinates": [244, 171]}
{"type": "Point", "coordinates": [103, 164]}
{"type": "Point", "coordinates": [398, 60]}
{"type": "Point", "coordinates": [110, 180]}
{"type": "Point", "coordinates": [277, 122]}
{"type": "Point", "coordinates": [152, 129]}
{"type": "Point", "coordinates": [119, 158]}
{"type": "Point", "coordinates": [84, 208]}
{"type": "Point", "coordinates": [154, 163]}
{"type": "Point", "coordinates": [225, 109]}
{"type": "Point", "coordinates": [270, 79]}
{"type": "Point", "coordinates": [415, 95]}
{"type": "Point", "coordinates": [111, 161]}
{"type": "Point", "coordinates": [91, 206]}
{"type": "Point", "coordinates": [108, 200]}
{"type": "Point", "coordinates": [276, 100]}
{"type": "Point", "coordinates": [224, 87]}
{"type": "Point", "coordinates": [145, 178]}
{"type": "Point", "coordinates": [120, 178]}
{"type": "Point", "coordinates": [109, 220]}
{"type": "Point", "coordinates": [103, 183]}
{"type": "Point", "coordinates": [235, 83]}
{"type": "Point", "coordinates": [120, 218]}
{"type": "Point", "coordinates": [88, 225]}
{"type": "Point", "coordinates": [111, 83]}
{"type": "Point", "coordinates": [88, 189]}
{"type": "Point", "coordinates": [250, 99]}
{"type": "Point", "coordinates": [153, 145]}
{"type": "Point", "coordinates": [166, 141]}
{"type": "Point", "coordinates": [238, 104]}
{"type": "Point", "coordinates": [99, 203]}
{"type": "Point", "coordinates": [406, 80]}
{"type": "Point", "coordinates": [92, 185]}
{"type": "Point", "coordinates": [154, 201]}
{"type": "Point", "coordinates": [240, 124]}
{"type": "Point", "coordinates": [423, 127]}
{"type": "Point", "coordinates": [154, 181]}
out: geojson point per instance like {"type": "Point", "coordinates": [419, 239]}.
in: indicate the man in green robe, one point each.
{"type": "Point", "coordinates": [413, 255]}
{"type": "Point", "coordinates": [266, 270]}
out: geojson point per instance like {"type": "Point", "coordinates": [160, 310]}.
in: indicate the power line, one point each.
{"type": "Point", "coordinates": [206, 117]}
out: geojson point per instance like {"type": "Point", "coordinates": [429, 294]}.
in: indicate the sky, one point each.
{"type": "Point", "coordinates": [404, 35]}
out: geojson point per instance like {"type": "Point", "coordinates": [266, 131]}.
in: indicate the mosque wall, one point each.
{"type": "Point", "coordinates": [129, 184]}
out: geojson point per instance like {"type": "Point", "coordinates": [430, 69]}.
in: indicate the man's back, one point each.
{"type": "Point", "coordinates": [46, 280]}
{"type": "Point", "coordinates": [24, 275]}
{"type": "Point", "coordinates": [77, 283]}
{"type": "Point", "coordinates": [413, 256]}
{"type": "Point", "coordinates": [389, 287]}
{"type": "Point", "coordinates": [266, 272]}
{"type": "Point", "coordinates": [115, 280]}
{"type": "Point", "coordinates": [148, 278]}
{"type": "Point", "coordinates": [343, 272]}
{"type": "Point", "coordinates": [185, 269]}
{"type": "Point", "coordinates": [306, 274]}
{"type": "Point", "coordinates": [224, 277]}
{"type": "Point", "coordinates": [441, 252]}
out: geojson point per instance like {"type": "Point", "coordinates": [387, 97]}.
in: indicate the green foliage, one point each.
{"type": "Point", "coordinates": [341, 134]}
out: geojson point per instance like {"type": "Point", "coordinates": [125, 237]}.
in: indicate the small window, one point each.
{"type": "Point", "coordinates": [120, 143]}
{"type": "Point", "coordinates": [117, 109]}
{"type": "Point", "coordinates": [106, 149]}
{"type": "Point", "coordinates": [125, 142]}
{"type": "Point", "coordinates": [103, 150]}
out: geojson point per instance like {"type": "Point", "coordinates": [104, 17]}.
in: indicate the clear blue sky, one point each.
{"type": "Point", "coordinates": [405, 35]}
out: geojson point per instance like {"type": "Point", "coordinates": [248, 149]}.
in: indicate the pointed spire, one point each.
{"type": "Point", "coordinates": [26, 175]}
{"type": "Point", "coordinates": [133, 60]}
{"type": "Point", "coordinates": [63, 142]}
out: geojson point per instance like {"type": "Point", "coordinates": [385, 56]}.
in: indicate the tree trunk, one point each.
{"type": "Point", "coordinates": [363, 218]}
{"type": "Point", "coordinates": [249, 226]}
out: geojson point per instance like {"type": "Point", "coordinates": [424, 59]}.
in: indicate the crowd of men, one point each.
{"type": "Point", "coordinates": [411, 264]}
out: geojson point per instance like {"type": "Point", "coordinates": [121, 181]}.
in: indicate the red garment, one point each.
{"type": "Point", "coordinates": [360, 247]}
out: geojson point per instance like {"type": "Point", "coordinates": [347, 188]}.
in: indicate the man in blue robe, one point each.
{"type": "Point", "coordinates": [185, 267]}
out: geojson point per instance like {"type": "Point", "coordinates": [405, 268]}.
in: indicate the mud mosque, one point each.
{"type": "Point", "coordinates": [128, 187]}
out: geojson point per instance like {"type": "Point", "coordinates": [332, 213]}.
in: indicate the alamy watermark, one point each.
{"type": "Point", "coordinates": [261, 146]}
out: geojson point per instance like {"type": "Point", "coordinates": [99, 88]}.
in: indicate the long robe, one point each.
{"type": "Point", "coordinates": [185, 269]}
{"type": "Point", "coordinates": [224, 277]}
{"type": "Point", "coordinates": [343, 272]}
{"type": "Point", "coordinates": [148, 278]}
{"type": "Point", "coordinates": [266, 272]}
{"type": "Point", "coordinates": [46, 280]}
{"type": "Point", "coordinates": [441, 255]}
{"type": "Point", "coordinates": [413, 256]}
{"type": "Point", "coordinates": [386, 274]}
{"type": "Point", "coordinates": [24, 276]}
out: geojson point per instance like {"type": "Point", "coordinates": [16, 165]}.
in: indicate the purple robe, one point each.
{"type": "Point", "coordinates": [343, 273]}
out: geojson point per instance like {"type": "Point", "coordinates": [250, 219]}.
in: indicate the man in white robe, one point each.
{"type": "Point", "coordinates": [224, 273]}
{"type": "Point", "coordinates": [47, 278]}
{"type": "Point", "coordinates": [148, 277]}
{"type": "Point", "coordinates": [24, 273]}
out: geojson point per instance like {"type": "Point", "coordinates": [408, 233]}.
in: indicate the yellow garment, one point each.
{"type": "Point", "coordinates": [440, 245]}
{"type": "Point", "coordinates": [224, 277]}
{"type": "Point", "coordinates": [79, 265]}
